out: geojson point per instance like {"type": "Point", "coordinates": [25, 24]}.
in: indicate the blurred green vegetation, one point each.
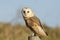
{"type": "Point", "coordinates": [21, 32]}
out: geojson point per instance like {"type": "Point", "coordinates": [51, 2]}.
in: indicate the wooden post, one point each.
{"type": "Point", "coordinates": [33, 38]}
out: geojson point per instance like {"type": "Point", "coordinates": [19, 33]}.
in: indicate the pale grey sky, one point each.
{"type": "Point", "coordinates": [47, 10]}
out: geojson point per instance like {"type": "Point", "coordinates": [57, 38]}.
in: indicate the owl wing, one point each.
{"type": "Point", "coordinates": [37, 26]}
{"type": "Point", "coordinates": [37, 21]}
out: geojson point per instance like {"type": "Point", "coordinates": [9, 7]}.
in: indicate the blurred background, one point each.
{"type": "Point", "coordinates": [12, 25]}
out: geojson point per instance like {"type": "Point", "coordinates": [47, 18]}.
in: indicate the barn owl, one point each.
{"type": "Point", "coordinates": [32, 22]}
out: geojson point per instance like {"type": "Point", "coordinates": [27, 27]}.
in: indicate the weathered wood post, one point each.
{"type": "Point", "coordinates": [33, 38]}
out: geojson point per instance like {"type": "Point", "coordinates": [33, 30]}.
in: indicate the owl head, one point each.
{"type": "Point", "coordinates": [27, 12]}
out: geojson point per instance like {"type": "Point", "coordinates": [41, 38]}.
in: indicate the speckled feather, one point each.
{"type": "Point", "coordinates": [35, 25]}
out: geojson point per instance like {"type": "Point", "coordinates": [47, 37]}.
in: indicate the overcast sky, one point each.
{"type": "Point", "coordinates": [48, 11]}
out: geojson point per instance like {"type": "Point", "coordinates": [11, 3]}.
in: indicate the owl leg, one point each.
{"type": "Point", "coordinates": [33, 34]}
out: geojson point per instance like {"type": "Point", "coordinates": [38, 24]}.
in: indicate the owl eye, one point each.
{"type": "Point", "coordinates": [23, 11]}
{"type": "Point", "coordinates": [27, 11]}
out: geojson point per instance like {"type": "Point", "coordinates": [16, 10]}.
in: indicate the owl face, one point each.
{"type": "Point", "coordinates": [27, 12]}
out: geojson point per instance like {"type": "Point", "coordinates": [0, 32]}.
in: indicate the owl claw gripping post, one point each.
{"type": "Point", "coordinates": [32, 22]}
